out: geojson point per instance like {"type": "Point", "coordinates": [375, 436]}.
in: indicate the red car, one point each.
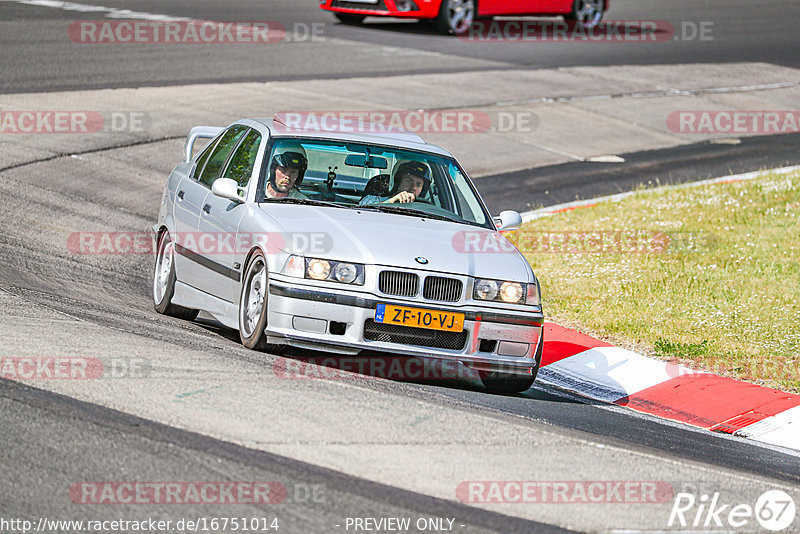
{"type": "Point", "coordinates": [456, 16]}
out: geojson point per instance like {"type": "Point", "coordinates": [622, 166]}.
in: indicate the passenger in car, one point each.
{"type": "Point", "coordinates": [286, 173]}
{"type": "Point", "coordinates": [412, 182]}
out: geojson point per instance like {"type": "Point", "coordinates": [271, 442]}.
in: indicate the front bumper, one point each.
{"type": "Point", "coordinates": [317, 318]}
{"type": "Point", "coordinates": [428, 9]}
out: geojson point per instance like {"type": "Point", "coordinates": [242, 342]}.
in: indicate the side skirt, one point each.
{"type": "Point", "coordinates": [190, 297]}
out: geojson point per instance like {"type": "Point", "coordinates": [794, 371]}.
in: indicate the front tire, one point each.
{"type": "Point", "coordinates": [253, 304]}
{"type": "Point", "coordinates": [350, 19]}
{"type": "Point", "coordinates": [588, 13]}
{"type": "Point", "coordinates": [507, 383]}
{"type": "Point", "coordinates": [455, 16]}
{"type": "Point", "coordinates": [253, 309]}
{"type": "Point", "coordinates": [164, 281]}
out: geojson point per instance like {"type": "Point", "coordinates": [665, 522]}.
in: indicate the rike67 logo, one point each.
{"type": "Point", "coordinates": [774, 510]}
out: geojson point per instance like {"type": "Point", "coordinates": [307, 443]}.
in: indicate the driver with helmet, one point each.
{"type": "Point", "coordinates": [412, 181]}
{"type": "Point", "coordinates": [286, 173]}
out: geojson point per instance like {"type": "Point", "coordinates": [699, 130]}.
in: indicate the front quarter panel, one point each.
{"type": "Point", "coordinates": [259, 231]}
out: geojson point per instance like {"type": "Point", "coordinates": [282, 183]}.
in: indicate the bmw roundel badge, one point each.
{"type": "Point", "coordinates": [421, 260]}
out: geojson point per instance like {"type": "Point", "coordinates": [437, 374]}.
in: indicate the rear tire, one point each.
{"type": "Point", "coordinates": [497, 382]}
{"type": "Point", "coordinates": [164, 279]}
{"type": "Point", "coordinates": [455, 16]}
{"type": "Point", "coordinates": [350, 19]}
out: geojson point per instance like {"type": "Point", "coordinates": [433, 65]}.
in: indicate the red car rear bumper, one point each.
{"type": "Point", "coordinates": [428, 9]}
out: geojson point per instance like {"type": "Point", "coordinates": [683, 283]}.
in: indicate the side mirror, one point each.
{"type": "Point", "coordinates": [227, 188]}
{"type": "Point", "coordinates": [508, 220]}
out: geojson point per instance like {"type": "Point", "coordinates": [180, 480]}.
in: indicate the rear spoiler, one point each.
{"type": "Point", "coordinates": [198, 132]}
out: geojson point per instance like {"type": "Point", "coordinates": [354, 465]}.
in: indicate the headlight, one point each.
{"type": "Point", "coordinates": [327, 270]}
{"type": "Point", "coordinates": [486, 289]}
{"type": "Point", "coordinates": [509, 292]}
{"type": "Point", "coordinates": [345, 272]}
{"type": "Point", "coordinates": [318, 269]}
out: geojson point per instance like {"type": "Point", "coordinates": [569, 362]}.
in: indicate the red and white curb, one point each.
{"type": "Point", "coordinates": [592, 368]}
{"type": "Point", "coordinates": [597, 370]}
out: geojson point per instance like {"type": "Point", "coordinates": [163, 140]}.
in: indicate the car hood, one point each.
{"type": "Point", "coordinates": [397, 240]}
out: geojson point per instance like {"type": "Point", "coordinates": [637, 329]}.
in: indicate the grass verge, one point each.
{"type": "Point", "coordinates": [707, 276]}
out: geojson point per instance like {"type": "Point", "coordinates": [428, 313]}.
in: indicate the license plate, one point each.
{"type": "Point", "coordinates": [419, 318]}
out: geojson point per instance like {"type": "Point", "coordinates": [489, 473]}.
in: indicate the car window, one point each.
{"type": "Point", "coordinates": [468, 205]}
{"type": "Point", "coordinates": [201, 161]}
{"type": "Point", "coordinates": [220, 154]}
{"type": "Point", "coordinates": [358, 175]}
{"type": "Point", "coordinates": [240, 167]}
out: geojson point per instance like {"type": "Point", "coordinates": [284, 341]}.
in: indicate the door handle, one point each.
{"type": "Point", "coordinates": [181, 194]}
{"type": "Point", "coordinates": [207, 208]}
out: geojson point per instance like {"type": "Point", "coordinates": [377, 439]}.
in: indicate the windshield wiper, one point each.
{"type": "Point", "coordinates": [306, 201]}
{"type": "Point", "coordinates": [412, 212]}
{"type": "Point", "coordinates": [405, 211]}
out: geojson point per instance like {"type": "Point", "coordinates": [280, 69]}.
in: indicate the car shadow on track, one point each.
{"type": "Point", "coordinates": [410, 27]}
{"type": "Point", "coordinates": [304, 364]}
{"type": "Point", "coordinates": [214, 326]}
{"type": "Point", "coordinates": [511, 29]}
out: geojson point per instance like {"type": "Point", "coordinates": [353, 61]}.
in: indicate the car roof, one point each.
{"type": "Point", "coordinates": [396, 138]}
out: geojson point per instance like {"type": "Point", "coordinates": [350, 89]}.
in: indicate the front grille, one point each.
{"type": "Point", "coordinates": [398, 283]}
{"type": "Point", "coordinates": [379, 6]}
{"type": "Point", "coordinates": [440, 288]}
{"type": "Point", "coordinates": [409, 335]}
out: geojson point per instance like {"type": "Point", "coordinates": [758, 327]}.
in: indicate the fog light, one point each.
{"type": "Point", "coordinates": [406, 5]}
{"type": "Point", "coordinates": [510, 348]}
{"type": "Point", "coordinates": [309, 324]}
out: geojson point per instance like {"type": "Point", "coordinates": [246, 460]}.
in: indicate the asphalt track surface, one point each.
{"type": "Point", "coordinates": [158, 452]}
{"type": "Point", "coordinates": [50, 440]}
{"type": "Point", "coordinates": [556, 184]}
{"type": "Point", "coordinates": [38, 55]}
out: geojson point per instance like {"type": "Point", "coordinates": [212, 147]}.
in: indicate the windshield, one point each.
{"type": "Point", "coordinates": [354, 175]}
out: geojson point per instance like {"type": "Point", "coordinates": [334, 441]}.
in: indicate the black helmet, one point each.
{"type": "Point", "coordinates": [291, 158]}
{"type": "Point", "coordinates": [414, 168]}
